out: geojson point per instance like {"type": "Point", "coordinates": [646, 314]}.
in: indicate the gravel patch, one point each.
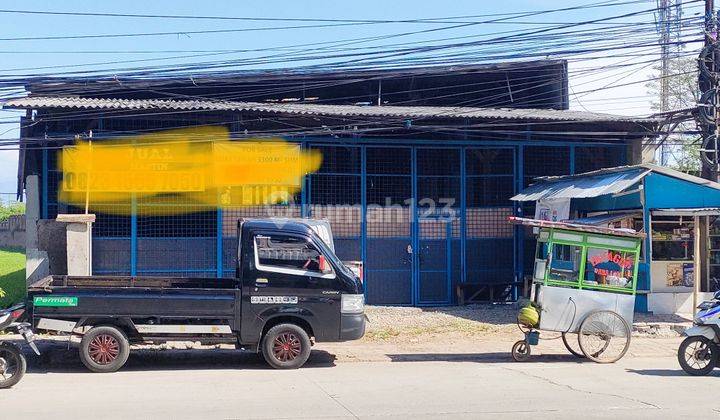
{"type": "Point", "coordinates": [398, 323]}
{"type": "Point", "coordinates": [407, 324]}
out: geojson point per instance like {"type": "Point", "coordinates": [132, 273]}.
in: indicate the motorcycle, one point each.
{"type": "Point", "coordinates": [12, 360]}
{"type": "Point", "coordinates": [698, 353]}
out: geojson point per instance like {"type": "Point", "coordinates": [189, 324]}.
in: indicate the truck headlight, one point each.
{"type": "Point", "coordinates": [352, 304]}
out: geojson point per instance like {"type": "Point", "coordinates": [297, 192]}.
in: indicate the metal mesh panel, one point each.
{"type": "Point", "coordinates": [339, 159]}
{"type": "Point", "coordinates": [388, 160]}
{"type": "Point", "coordinates": [488, 222]}
{"type": "Point", "coordinates": [335, 189]}
{"type": "Point", "coordinates": [489, 236]}
{"type": "Point", "coordinates": [540, 161]}
{"type": "Point", "coordinates": [389, 189]}
{"type": "Point", "coordinates": [487, 161]}
{"type": "Point", "coordinates": [335, 195]}
{"type": "Point", "coordinates": [544, 161]}
{"type": "Point", "coordinates": [592, 158]}
{"type": "Point", "coordinates": [177, 237]}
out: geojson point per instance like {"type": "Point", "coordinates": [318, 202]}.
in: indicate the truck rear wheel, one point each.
{"type": "Point", "coordinates": [286, 346]}
{"type": "Point", "coordinates": [104, 349]}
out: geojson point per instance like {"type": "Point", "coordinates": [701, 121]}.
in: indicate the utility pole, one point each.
{"type": "Point", "coordinates": [668, 22]}
{"type": "Point", "coordinates": [709, 120]}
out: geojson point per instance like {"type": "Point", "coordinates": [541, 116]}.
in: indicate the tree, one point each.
{"type": "Point", "coordinates": [683, 93]}
{"type": "Point", "coordinates": [10, 209]}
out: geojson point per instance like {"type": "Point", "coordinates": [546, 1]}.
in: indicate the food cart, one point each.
{"type": "Point", "coordinates": [584, 285]}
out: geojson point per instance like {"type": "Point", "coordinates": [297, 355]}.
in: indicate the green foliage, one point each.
{"type": "Point", "coordinates": [12, 276]}
{"type": "Point", "coordinates": [683, 93]}
{"type": "Point", "coordinates": [10, 209]}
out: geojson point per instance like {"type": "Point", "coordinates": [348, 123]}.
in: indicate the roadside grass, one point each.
{"type": "Point", "coordinates": [12, 276]}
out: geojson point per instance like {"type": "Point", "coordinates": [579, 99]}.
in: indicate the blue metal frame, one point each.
{"type": "Point", "coordinates": [414, 230]}
{"type": "Point", "coordinates": [463, 218]}
{"type": "Point", "coordinates": [219, 244]}
{"type": "Point", "coordinates": [44, 209]}
{"type": "Point", "coordinates": [519, 243]}
{"type": "Point", "coordinates": [463, 145]}
{"type": "Point", "coordinates": [133, 237]}
{"type": "Point", "coordinates": [363, 211]}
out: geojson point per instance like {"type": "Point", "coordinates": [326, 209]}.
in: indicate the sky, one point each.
{"type": "Point", "coordinates": [24, 57]}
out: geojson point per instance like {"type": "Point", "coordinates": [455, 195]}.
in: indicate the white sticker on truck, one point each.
{"type": "Point", "coordinates": [274, 299]}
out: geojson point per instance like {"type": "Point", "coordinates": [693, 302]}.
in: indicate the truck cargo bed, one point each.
{"type": "Point", "coordinates": [139, 297]}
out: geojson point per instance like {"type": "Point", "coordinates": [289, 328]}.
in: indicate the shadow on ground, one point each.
{"type": "Point", "coordinates": [665, 372]}
{"type": "Point", "coordinates": [496, 357]}
{"type": "Point", "coordinates": [56, 357]}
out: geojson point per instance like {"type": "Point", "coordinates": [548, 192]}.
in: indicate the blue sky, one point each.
{"type": "Point", "coordinates": [15, 59]}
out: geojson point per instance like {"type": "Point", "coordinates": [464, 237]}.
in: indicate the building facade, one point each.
{"type": "Point", "coordinates": [418, 167]}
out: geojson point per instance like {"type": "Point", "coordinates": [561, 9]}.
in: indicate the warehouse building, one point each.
{"type": "Point", "coordinates": [418, 166]}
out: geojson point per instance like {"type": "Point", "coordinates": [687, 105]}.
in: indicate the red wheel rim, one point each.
{"type": "Point", "coordinates": [286, 347]}
{"type": "Point", "coordinates": [104, 349]}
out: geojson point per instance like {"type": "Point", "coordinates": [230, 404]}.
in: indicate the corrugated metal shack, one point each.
{"type": "Point", "coordinates": [393, 142]}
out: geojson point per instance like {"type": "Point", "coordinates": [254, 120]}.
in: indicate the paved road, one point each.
{"type": "Point", "coordinates": [225, 385]}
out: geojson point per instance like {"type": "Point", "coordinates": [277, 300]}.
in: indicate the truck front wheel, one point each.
{"type": "Point", "coordinates": [286, 346]}
{"type": "Point", "coordinates": [104, 349]}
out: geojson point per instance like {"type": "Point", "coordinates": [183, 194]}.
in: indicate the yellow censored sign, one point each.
{"type": "Point", "coordinates": [199, 167]}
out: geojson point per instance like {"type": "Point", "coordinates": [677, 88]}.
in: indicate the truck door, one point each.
{"type": "Point", "coordinates": [286, 275]}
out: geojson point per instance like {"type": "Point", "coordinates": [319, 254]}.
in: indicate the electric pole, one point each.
{"type": "Point", "coordinates": [668, 22]}
{"type": "Point", "coordinates": [709, 119]}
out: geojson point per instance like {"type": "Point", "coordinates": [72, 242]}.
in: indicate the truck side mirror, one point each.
{"type": "Point", "coordinates": [324, 266]}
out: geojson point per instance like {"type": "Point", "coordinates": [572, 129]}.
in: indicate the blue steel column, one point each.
{"type": "Point", "coordinates": [414, 230]}
{"type": "Point", "coordinates": [463, 217]}
{"type": "Point", "coordinates": [363, 214]}
{"type": "Point", "coordinates": [219, 245]}
{"type": "Point", "coordinates": [572, 159]}
{"type": "Point", "coordinates": [44, 208]}
{"type": "Point", "coordinates": [519, 260]}
{"type": "Point", "coordinates": [133, 235]}
{"type": "Point", "coordinates": [305, 184]}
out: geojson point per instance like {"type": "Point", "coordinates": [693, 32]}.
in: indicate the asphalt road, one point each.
{"type": "Point", "coordinates": [220, 384]}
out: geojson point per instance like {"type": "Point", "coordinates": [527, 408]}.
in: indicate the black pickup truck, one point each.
{"type": "Point", "coordinates": [289, 289]}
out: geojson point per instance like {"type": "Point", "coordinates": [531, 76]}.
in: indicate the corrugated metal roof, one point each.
{"type": "Point", "coordinates": [600, 182]}
{"type": "Point", "coordinates": [582, 186]}
{"type": "Point", "coordinates": [574, 226]}
{"type": "Point", "coordinates": [35, 102]}
{"type": "Point", "coordinates": [604, 219]}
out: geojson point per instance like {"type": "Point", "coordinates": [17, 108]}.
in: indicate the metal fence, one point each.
{"type": "Point", "coordinates": [423, 218]}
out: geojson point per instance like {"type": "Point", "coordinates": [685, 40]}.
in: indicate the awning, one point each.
{"type": "Point", "coordinates": [604, 219]}
{"type": "Point", "coordinates": [582, 186]}
{"type": "Point", "coordinates": [576, 227]}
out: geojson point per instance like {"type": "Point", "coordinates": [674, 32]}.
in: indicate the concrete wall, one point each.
{"type": "Point", "coordinates": [12, 232]}
{"type": "Point", "coordinates": [36, 260]}
{"type": "Point", "coordinates": [674, 303]}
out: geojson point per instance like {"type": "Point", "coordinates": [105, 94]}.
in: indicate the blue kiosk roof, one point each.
{"type": "Point", "coordinates": [617, 188]}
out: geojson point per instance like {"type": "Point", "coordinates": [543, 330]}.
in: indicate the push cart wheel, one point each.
{"type": "Point", "coordinates": [12, 365]}
{"type": "Point", "coordinates": [567, 339]}
{"type": "Point", "coordinates": [697, 355]}
{"type": "Point", "coordinates": [104, 349]}
{"type": "Point", "coordinates": [521, 351]}
{"type": "Point", "coordinates": [604, 336]}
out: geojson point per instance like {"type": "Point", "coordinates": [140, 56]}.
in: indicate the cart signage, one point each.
{"type": "Point", "coordinates": [55, 301]}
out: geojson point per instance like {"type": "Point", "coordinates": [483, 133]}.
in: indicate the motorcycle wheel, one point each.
{"type": "Point", "coordinates": [697, 355]}
{"type": "Point", "coordinates": [12, 365]}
